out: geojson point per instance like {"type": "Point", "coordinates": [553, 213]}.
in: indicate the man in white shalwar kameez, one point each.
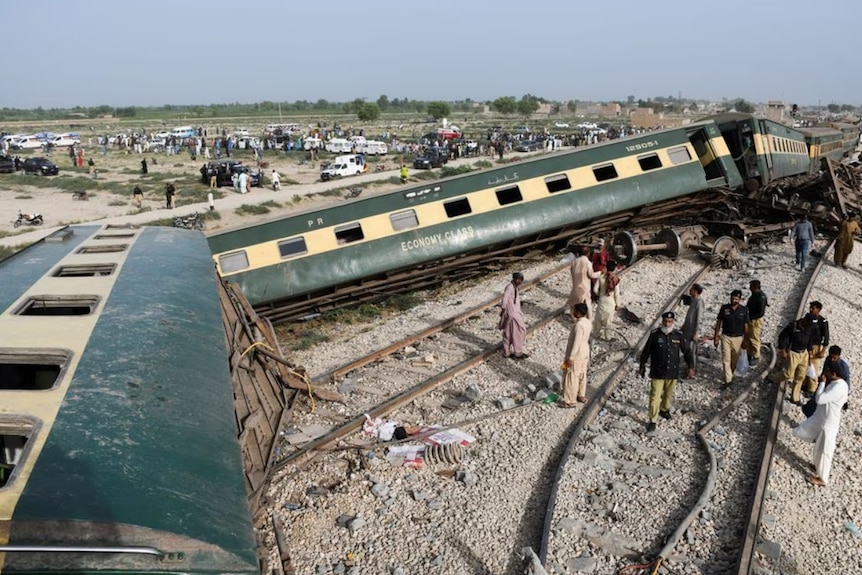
{"type": "Point", "coordinates": [822, 427]}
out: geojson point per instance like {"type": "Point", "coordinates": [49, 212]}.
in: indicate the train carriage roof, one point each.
{"type": "Point", "coordinates": [140, 431]}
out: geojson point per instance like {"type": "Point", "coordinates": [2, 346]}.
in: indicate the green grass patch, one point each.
{"type": "Point", "coordinates": [117, 203]}
{"type": "Point", "coordinates": [9, 251]}
{"type": "Point", "coordinates": [139, 211]}
{"type": "Point", "coordinates": [333, 192]}
{"type": "Point", "coordinates": [24, 197]}
{"type": "Point", "coordinates": [296, 198]}
{"type": "Point", "coordinates": [425, 175]}
{"type": "Point", "coordinates": [251, 210]}
{"type": "Point", "coordinates": [448, 172]}
{"type": "Point", "coordinates": [270, 204]}
{"type": "Point", "coordinates": [307, 339]}
{"type": "Point", "coordinates": [482, 164]}
{"type": "Point", "coordinates": [289, 182]}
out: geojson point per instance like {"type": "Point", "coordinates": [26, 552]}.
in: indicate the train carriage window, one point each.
{"type": "Point", "coordinates": [558, 183]}
{"type": "Point", "coordinates": [102, 249]}
{"type": "Point", "coordinates": [605, 172]}
{"type": "Point", "coordinates": [14, 434]}
{"type": "Point", "coordinates": [649, 162]}
{"type": "Point", "coordinates": [679, 155]}
{"type": "Point", "coordinates": [510, 195]}
{"type": "Point", "coordinates": [233, 262]}
{"type": "Point", "coordinates": [404, 220]}
{"type": "Point", "coordinates": [32, 369]}
{"type": "Point", "coordinates": [349, 233]}
{"type": "Point", "coordinates": [457, 208]}
{"type": "Point", "coordinates": [292, 247]}
{"type": "Point", "coordinates": [85, 270]}
{"type": "Point", "coordinates": [59, 305]}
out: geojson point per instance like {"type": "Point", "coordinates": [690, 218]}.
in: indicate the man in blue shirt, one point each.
{"type": "Point", "coordinates": [803, 236]}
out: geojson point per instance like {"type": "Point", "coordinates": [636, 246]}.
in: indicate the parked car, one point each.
{"type": "Point", "coordinates": [560, 125]}
{"type": "Point", "coordinates": [7, 165]}
{"type": "Point", "coordinates": [40, 166]}
{"type": "Point", "coordinates": [528, 146]}
{"type": "Point", "coordinates": [224, 171]}
{"type": "Point", "coordinates": [431, 158]}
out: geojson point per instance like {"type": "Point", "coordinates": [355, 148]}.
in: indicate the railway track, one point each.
{"type": "Point", "coordinates": [516, 454]}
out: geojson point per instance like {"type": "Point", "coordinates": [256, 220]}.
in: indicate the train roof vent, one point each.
{"type": "Point", "coordinates": [32, 369]}
{"type": "Point", "coordinates": [106, 249]}
{"type": "Point", "coordinates": [85, 270]}
{"type": "Point", "coordinates": [122, 227]}
{"type": "Point", "coordinates": [59, 305]}
{"type": "Point", "coordinates": [15, 432]}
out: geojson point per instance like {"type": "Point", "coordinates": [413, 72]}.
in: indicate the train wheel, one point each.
{"type": "Point", "coordinates": [668, 237]}
{"type": "Point", "coordinates": [625, 248]}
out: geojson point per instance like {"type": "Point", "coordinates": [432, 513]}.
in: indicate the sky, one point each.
{"type": "Point", "coordinates": [181, 52]}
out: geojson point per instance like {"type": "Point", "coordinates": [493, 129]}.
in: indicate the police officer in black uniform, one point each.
{"type": "Point", "coordinates": [731, 329]}
{"type": "Point", "coordinates": [662, 349]}
{"type": "Point", "coordinates": [819, 343]}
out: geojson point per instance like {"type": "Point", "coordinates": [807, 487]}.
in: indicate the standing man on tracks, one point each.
{"type": "Point", "coordinates": [844, 243]}
{"type": "Point", "coordinates": [819, 343]}
{"type": "Point", "coordinates": [608, 293]}
{"type": "Point", "coordinates": [691, 325]}
{"type": "Point", "coordinates": [821, 429]}
{"type": "Point", "coordinates": [731, 330]}
{"type": "Point", "coordinates": [756, 304]}
{"type": "Point", "coordinates": [512, 320]}
{"type": "Point", "coordinates": [577, 358]}
{"type": "Point", "coordinates": [662, 350]}
{"type": "Point", "coordinates": [794, 345]}
{"type": "Point", "coordinates": [582, 272]}
{"type": "Point", "coordinates": [803, 236]}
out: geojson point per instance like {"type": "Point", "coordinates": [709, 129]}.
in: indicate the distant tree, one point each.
{"type": "Point", "coordinates": [555, 108]}
{"type": "Point", "coordinates": [354, 106]}
{"type": "Point", "coordinates": [833, 108]}
{"type": "Point", "coordinates": [527, 106]}
{"type": "Point", "coordinates": [321, 104]}
{"type": "Point", "coordinates": [383, 102]}
{"type": "Point", "coordinates": [438, 110]}
{"type": "Point", "coordinates": [847, 108]}
{"type": "Point", "coordinates": [505, 105]}
{"type": "Point", "coordinates": [630, 99]}
{"type": "Point", "coordinates": [368, 112]}
{"type": "Point", "coordinates": [742, 106]}
{"type": "Point", "coordinates": [572, 105]}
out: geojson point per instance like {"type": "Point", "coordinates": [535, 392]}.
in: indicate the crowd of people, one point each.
{"type": "Point", "coordinates": [811, 366]}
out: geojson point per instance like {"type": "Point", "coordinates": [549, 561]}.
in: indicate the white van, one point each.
{"type": "Point", "coordinates": [339, 146]}
{"type": "Point", "coordinates": [374, 148]}
{"type": "Point", "coordinates": [341, 166]}
{"type": "Point", "coordinates": [183, 132]}
{"type": "Point", "coordinates": [65, 140]}
{"type": "Point", "coordinates": [27, 143]}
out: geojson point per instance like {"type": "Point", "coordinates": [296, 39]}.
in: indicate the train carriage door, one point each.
{"type": "Point", "coordinates": [709, 159]}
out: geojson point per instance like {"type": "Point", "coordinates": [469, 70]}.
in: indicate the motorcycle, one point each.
{"type": "Point", "coordinates": [380, 168]}
{"type": "Point", "coordinates": [192, 222]}
{"type": "Point", "coordinates": [28, 219]}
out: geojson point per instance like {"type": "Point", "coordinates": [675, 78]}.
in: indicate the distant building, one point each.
{"type": "Point", "coordinates": [596, 110]}
{"type": "Point", "coordinates": [775, 110]}
{"type": "Point", "coordinates": [646, 118]}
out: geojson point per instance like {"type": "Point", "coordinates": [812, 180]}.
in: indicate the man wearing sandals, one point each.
{"type": "Point", "coordinates": [577, 358]}
{"type": "Point", "coordinates": [821, 429]}
{"type": "Point", "coordinates": [662, 350]}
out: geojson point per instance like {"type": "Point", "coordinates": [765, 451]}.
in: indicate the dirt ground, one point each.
{"type": "Point", "coordinates": [110, 195]}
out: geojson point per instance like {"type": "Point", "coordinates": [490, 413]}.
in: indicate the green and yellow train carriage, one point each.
{"type": "Point", "coordinates": [118, 447]}
{"type": "Point", "coordinates": [301, 254]}
{"type": "Point", "coordinates": [822, 143]}
{"type": "Point", "coordinates": [849, 136]}
{"type": "Point", "coordinates": [763, 150]}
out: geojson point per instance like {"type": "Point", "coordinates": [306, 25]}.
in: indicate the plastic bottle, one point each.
{"type": "Point", "coordinates": [551, 398]}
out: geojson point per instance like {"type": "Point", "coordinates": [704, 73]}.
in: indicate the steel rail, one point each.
{"type": "Point", "coordinates": [752, 527]}
{"type": "Point", "coordinates": [595, 405]}
{"type": "Point", "coordinates": [444, 325]}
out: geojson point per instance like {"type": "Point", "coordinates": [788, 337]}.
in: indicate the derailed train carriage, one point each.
{"type": "Point", "coordinates": [307, 254]}
{"type": "Point", "coordinates": [118, 447]}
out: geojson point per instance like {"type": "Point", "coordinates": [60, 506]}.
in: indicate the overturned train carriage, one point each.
{"type": "Point", "coordinates": [119, 449]}
{"type": "Point", "coordinates": [305, 254]}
